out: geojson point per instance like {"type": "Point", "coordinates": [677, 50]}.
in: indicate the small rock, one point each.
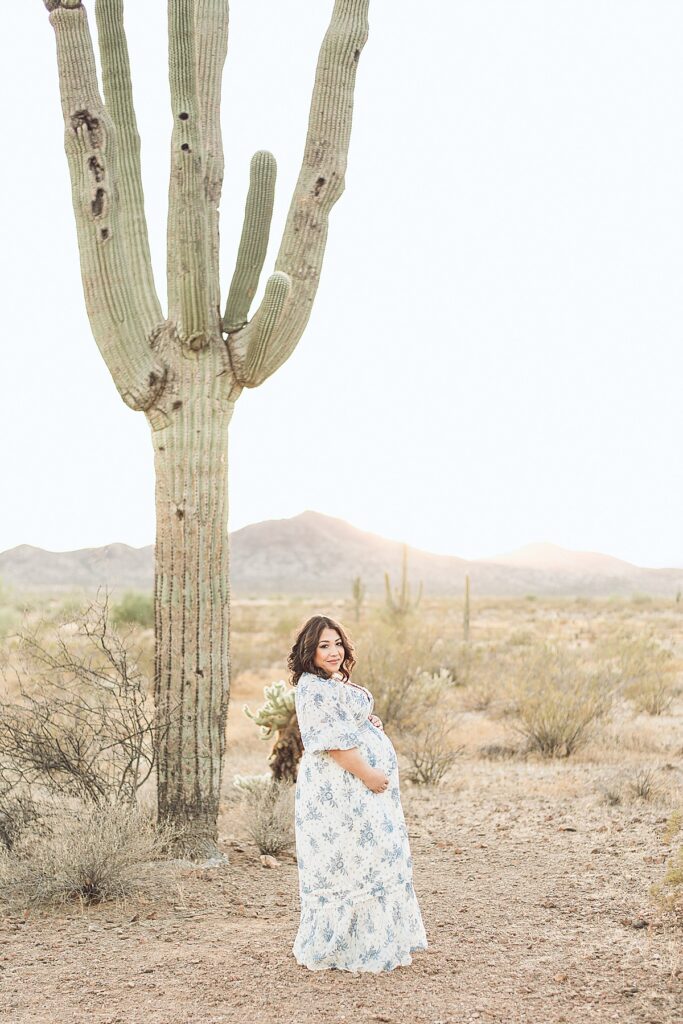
{"type": "Point", "coordinates": [560, 977]}
{"type": "Point", "coordinates": [269, 862]}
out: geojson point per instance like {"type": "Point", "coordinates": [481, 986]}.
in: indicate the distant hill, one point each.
{"type": "Point", "coordinates": [554, 558]}
{"type": "Point", "coordinates": [314, 554]}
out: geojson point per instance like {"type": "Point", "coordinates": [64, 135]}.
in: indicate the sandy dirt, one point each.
{"type": "Point", "coordinates": [535, 897]}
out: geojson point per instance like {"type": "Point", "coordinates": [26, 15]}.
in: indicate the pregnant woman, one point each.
{"type": "Point", "coordinates": [359, 911]}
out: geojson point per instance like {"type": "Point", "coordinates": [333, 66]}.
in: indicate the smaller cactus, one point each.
{"type": "Point", "coordinates": [400, 604]}
{"type": "Point", "coordinates": [277, 717]}
{"type": "Point", "coordinates": [277, 710]}
{"type": "Point", "coordinates": [466, 611]}
{"type": "Point", "coordinates": [358, 594]}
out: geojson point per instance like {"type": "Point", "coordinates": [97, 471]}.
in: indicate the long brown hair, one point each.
{"type": "Point", "coordinates": [303, 650]}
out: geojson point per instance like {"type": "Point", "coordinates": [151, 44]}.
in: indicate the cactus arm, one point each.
{"type": "Point", "coordinates": [387, 592]}
{"type": "Point", "coordinates": [118, 98]}
{"type": "Point", "coordinates": [320, 183]}
{"type": "Point", "coordinates": [116, 311]}
{"type": "Point", "coordinates": [211, 28]}
{"type": "Point", "coordinates": [188, 250]}
{"type": "Point", "coordinates": [254, 241]}
{"type": "Point", "coordinates": [248, 363]}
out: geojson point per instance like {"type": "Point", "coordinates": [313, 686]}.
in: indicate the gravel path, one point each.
{"type": "Point", "coordinates": [534, 893]}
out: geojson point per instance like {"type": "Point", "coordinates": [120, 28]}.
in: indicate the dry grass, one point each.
{"type": "Point", "coordinates": [268, 813]}
{"type": "Point", "coordinates": [669, 891]}
{"type": "Point", "coordinates": [429, 750]}
{"type": "Point", "coordinates": [557, 699]}
{"type": "Point", "coordinates": [646, 671]}
{"type": "Point", "coordinates": [82, 853]}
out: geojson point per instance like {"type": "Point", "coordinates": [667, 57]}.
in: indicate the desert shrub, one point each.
{"type": "Point", "coordinates": [69, 608]}
{"type": "Point", "coordinates": [18, 810]}
{"type": "Point", "coordinates": [483, 673]}
{"type": "Point", "coordinates": [612, 792]}
{"type": "Point", "coordinates": [82, 853]}
{"type": "Point", "coordinates": [669, 891]}
{"type": "Point", "coordinates": [80, 724]}
{"type": "Point", "coordinates": [498, 751]}
{"type": "Point", "coordinates": [557, 699]}
{"type": "Point", "coordinates": [134, 608]}
{"type": "Point", "coordinates": [643, 784]}
{"type": "Point", "coordinates": [429, 750]}
{"type": "Point", "coordinates": [520, 638]}
{"type": "Point", "coordinates": [268, 814]}
{"type": "Point", "coordinates": [645, 669]}
{"type": "Point", "coordinates": [403, 670]}
{"type": "Point", "coordinates": [9, 621]}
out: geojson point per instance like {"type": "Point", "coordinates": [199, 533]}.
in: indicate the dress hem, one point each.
{"type": "Point", "coordinates": [402, 961]}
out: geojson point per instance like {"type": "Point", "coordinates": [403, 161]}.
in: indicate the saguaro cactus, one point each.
{"type": "Point", "coordinates": [466, 610]}
{"type": "Point", "coordinates": [186, 369]}
{"type": "Point", "coordinates": [399, 604]}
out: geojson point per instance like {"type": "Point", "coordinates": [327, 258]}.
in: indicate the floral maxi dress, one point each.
{"type": "Point", "coordinates": [359, 911]}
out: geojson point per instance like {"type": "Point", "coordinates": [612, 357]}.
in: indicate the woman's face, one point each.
{"type": "Point", "coordinates": [329, 653]}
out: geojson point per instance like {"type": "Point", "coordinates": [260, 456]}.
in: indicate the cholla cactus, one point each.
{"type": "Point", "coordinates": [277, 710]}
{"type": "Point", "coordinates": [277, 717]}
{"type": "Point", "coordinates": [400, 604]}
{"type": "Point", "coordinates": [252, 784]}
{"type": "Point", "coordinates": [185, 366]}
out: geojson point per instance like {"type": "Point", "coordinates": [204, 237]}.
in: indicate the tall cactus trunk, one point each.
{"type": "Point", "coordinates": [192, 612]}
{"type": "Point", "coordinates": [186, 369]}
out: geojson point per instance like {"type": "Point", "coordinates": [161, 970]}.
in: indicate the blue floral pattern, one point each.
{"type": "Point", "coordinates": [359, 911]}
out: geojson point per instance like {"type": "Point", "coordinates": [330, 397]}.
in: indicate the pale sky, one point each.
{"type": "Point", "coordinates": [494, 356]}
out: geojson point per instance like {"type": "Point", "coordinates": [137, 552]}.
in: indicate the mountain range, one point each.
{"type": "Point", "coordinates": [315, 554]}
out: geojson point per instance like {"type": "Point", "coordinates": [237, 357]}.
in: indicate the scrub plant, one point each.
{"type": "Point", "coordinates": [268, 814]}
{"type": "Point", "coordinates": [647, 672]}
{"type": "Point", "coordinates": [79, 722]}
{"type": "Point", "coordinates": [85, 853]}
{"type": "Point", "coordinates": [429, 750]}
{"type": "Point", "coordinates": [557, 699]}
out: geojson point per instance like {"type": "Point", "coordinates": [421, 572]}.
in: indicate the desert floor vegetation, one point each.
{"type": "Point", "coordinates": [542, 779]}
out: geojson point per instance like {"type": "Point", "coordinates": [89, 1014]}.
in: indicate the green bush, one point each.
{"type": "Point", "coordinates": [135, 607]}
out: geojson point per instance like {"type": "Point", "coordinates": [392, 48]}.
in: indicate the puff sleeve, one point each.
{"type": "Point", "coordinates": [324, 722]}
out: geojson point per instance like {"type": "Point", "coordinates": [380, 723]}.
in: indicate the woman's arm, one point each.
{"type": "Point", "coordinates": [353, 762]}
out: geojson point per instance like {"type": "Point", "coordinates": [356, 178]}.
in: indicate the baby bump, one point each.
{"type": "Point", "coordinates": [377, 748]}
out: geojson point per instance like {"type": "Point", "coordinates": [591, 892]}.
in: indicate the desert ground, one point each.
{"type": "Point", "coordinates": [535, 875]}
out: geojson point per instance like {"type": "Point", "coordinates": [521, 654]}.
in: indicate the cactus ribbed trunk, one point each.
{"type": "Point", "coordinates": [192, 611]}
{"type": "Point", "coordinates": [186, 368]}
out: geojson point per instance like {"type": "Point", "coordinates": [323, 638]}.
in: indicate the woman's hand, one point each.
{"type": "Point", "coordinates": [376, 780]}
{"type": "Point", "coordinates": [376, 721]}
